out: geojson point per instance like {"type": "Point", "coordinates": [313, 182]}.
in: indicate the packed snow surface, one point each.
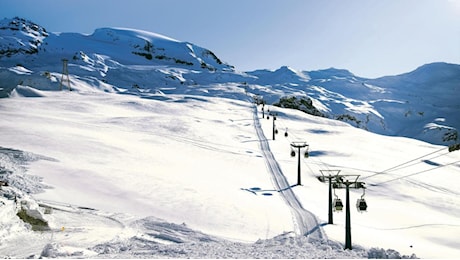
{"type": "Point", "coordinates": [191, 176]}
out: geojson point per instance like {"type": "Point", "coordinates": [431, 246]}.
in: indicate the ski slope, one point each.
{"type": "Point", "coordinates": [195, 176]}
{"type": "Point", "coordinates": [306, 223]}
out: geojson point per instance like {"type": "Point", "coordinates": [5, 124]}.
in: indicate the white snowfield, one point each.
{"type": "Point", "coordinates": [189, 176]}
{"type": "Point", "coordinates": [159, 152]}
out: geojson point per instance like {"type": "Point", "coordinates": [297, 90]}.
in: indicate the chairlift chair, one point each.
{"type": "Point", "coordinates": [338, 205]}
{"type": "Point", "coordinates": [292, 153]}
{"type": "Point", "coordinates": [306, 154]}
{"type": "Point", "coordinates": [361, 205]}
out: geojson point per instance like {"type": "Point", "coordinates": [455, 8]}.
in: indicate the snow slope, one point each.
{"type": "Point", "coordinates": [134, 61]}
{"type": "Point", "coordinates": [206, 167]}
{"type": "Point", "coordinates": [182, 163]}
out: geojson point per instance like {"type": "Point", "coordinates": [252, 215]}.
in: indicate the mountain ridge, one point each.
{"type": "Point", "coordinates": [420, 104]}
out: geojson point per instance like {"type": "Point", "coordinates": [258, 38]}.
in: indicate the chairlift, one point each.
{"type": "Point", "coordinates": [338, 205]}
{"type": "Point", "coordinates": [361, 204]}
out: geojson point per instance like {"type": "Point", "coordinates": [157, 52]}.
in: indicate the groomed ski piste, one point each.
{"type": "Point", "coordinates": [189, 176]}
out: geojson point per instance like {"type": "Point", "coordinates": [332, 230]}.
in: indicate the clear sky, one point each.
{"type": "Point", "coordinates": [371, 38]}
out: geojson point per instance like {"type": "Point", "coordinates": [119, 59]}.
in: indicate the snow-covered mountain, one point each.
{"type": "Point", "coordinates": [421, 104]}
{"type": "Point", "coordinates": [160, 151]}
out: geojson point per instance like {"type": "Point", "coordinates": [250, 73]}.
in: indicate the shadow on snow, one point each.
{"type": "Point", "coordinates": [257, 190]}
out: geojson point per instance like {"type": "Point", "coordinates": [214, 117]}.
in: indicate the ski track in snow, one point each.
{"type": "Point", "coordinates": [306, 223]}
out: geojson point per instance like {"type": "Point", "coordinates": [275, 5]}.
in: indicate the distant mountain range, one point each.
{"type": "Point", "coordinates": [422, 104]}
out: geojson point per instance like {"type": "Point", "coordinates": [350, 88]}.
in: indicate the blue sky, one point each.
{"type": "Point", "coordinates": [371, 38]}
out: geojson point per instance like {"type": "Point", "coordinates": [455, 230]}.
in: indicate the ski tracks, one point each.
{"type": "Point", "coordinates": [305, 222]}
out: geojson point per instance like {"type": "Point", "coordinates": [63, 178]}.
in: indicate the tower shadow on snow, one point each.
{"type": "Point", "coordinates": [268, 192]}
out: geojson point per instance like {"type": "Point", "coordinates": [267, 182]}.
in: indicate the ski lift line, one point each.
{"type": "Point", "coordinates": [433, 188]}
{"type": "Point", "coordinates": [394, 168]}
{"type": "Point", "coordinates": [399, 165]}
{"type": "Point", "coordinates": [282, 125]}
{"type": "Point", "coordinates": [412, 174]}
{"type": "Point", "coordinates": [292, 137]}
{"type": "Point", "coordinates": [291, 140]}
{"type": "Point", "coordinates": [292, 134]}
{"type": "Point", "coordinates": [312, 173]}
{"type": "Point", "coordinates": [375, 172]}
{"type": "Point", "coordinates": [320, 164]}
{"type": "Point", "coordinates": [409, 227]}
{"type": "Point", "coordinates": [415, 163]}
{"type": "Point", "coordinates": [349, 168]}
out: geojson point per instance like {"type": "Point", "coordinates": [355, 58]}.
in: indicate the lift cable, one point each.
{"type": "Point", "coordinates": [399, 165]}
{"type": "Point", "coordinates": [412, 174]}
{"type": "Point", "coordinates": [292, 136]}
{"type": "Point", "coordinates": [421, 161]}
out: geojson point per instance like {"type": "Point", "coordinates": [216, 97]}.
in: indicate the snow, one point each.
{"type": "Point", "coordinates": [160, 159]}
{"type": "Point", "coordinates": [120, 59]}
{"type": "Point", "coordinates": [120, 165]}
{"type": "Point", "coordinates": [20, 70]}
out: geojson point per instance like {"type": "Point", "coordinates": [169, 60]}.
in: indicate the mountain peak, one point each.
{"type": "Point", "coordinates": [115, 33]}
{"type": "Point", "coordinates": [120, 45]}
{"type": "Point", "coordinates": [20, 36]}
{"type": "Point", "coordinates": [437, 68]}
{"type": "Point", "coordinates": [286, 69]}
{"type": "Point", "coordinates": [330, 72]}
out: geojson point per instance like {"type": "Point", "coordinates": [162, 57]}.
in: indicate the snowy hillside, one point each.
{"type": "Point", "coordinates": [421, 104]}
{"type": "Point", "coordinates": [159, 151]}
{"type": "Point", "coordinates": [187, 185]}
